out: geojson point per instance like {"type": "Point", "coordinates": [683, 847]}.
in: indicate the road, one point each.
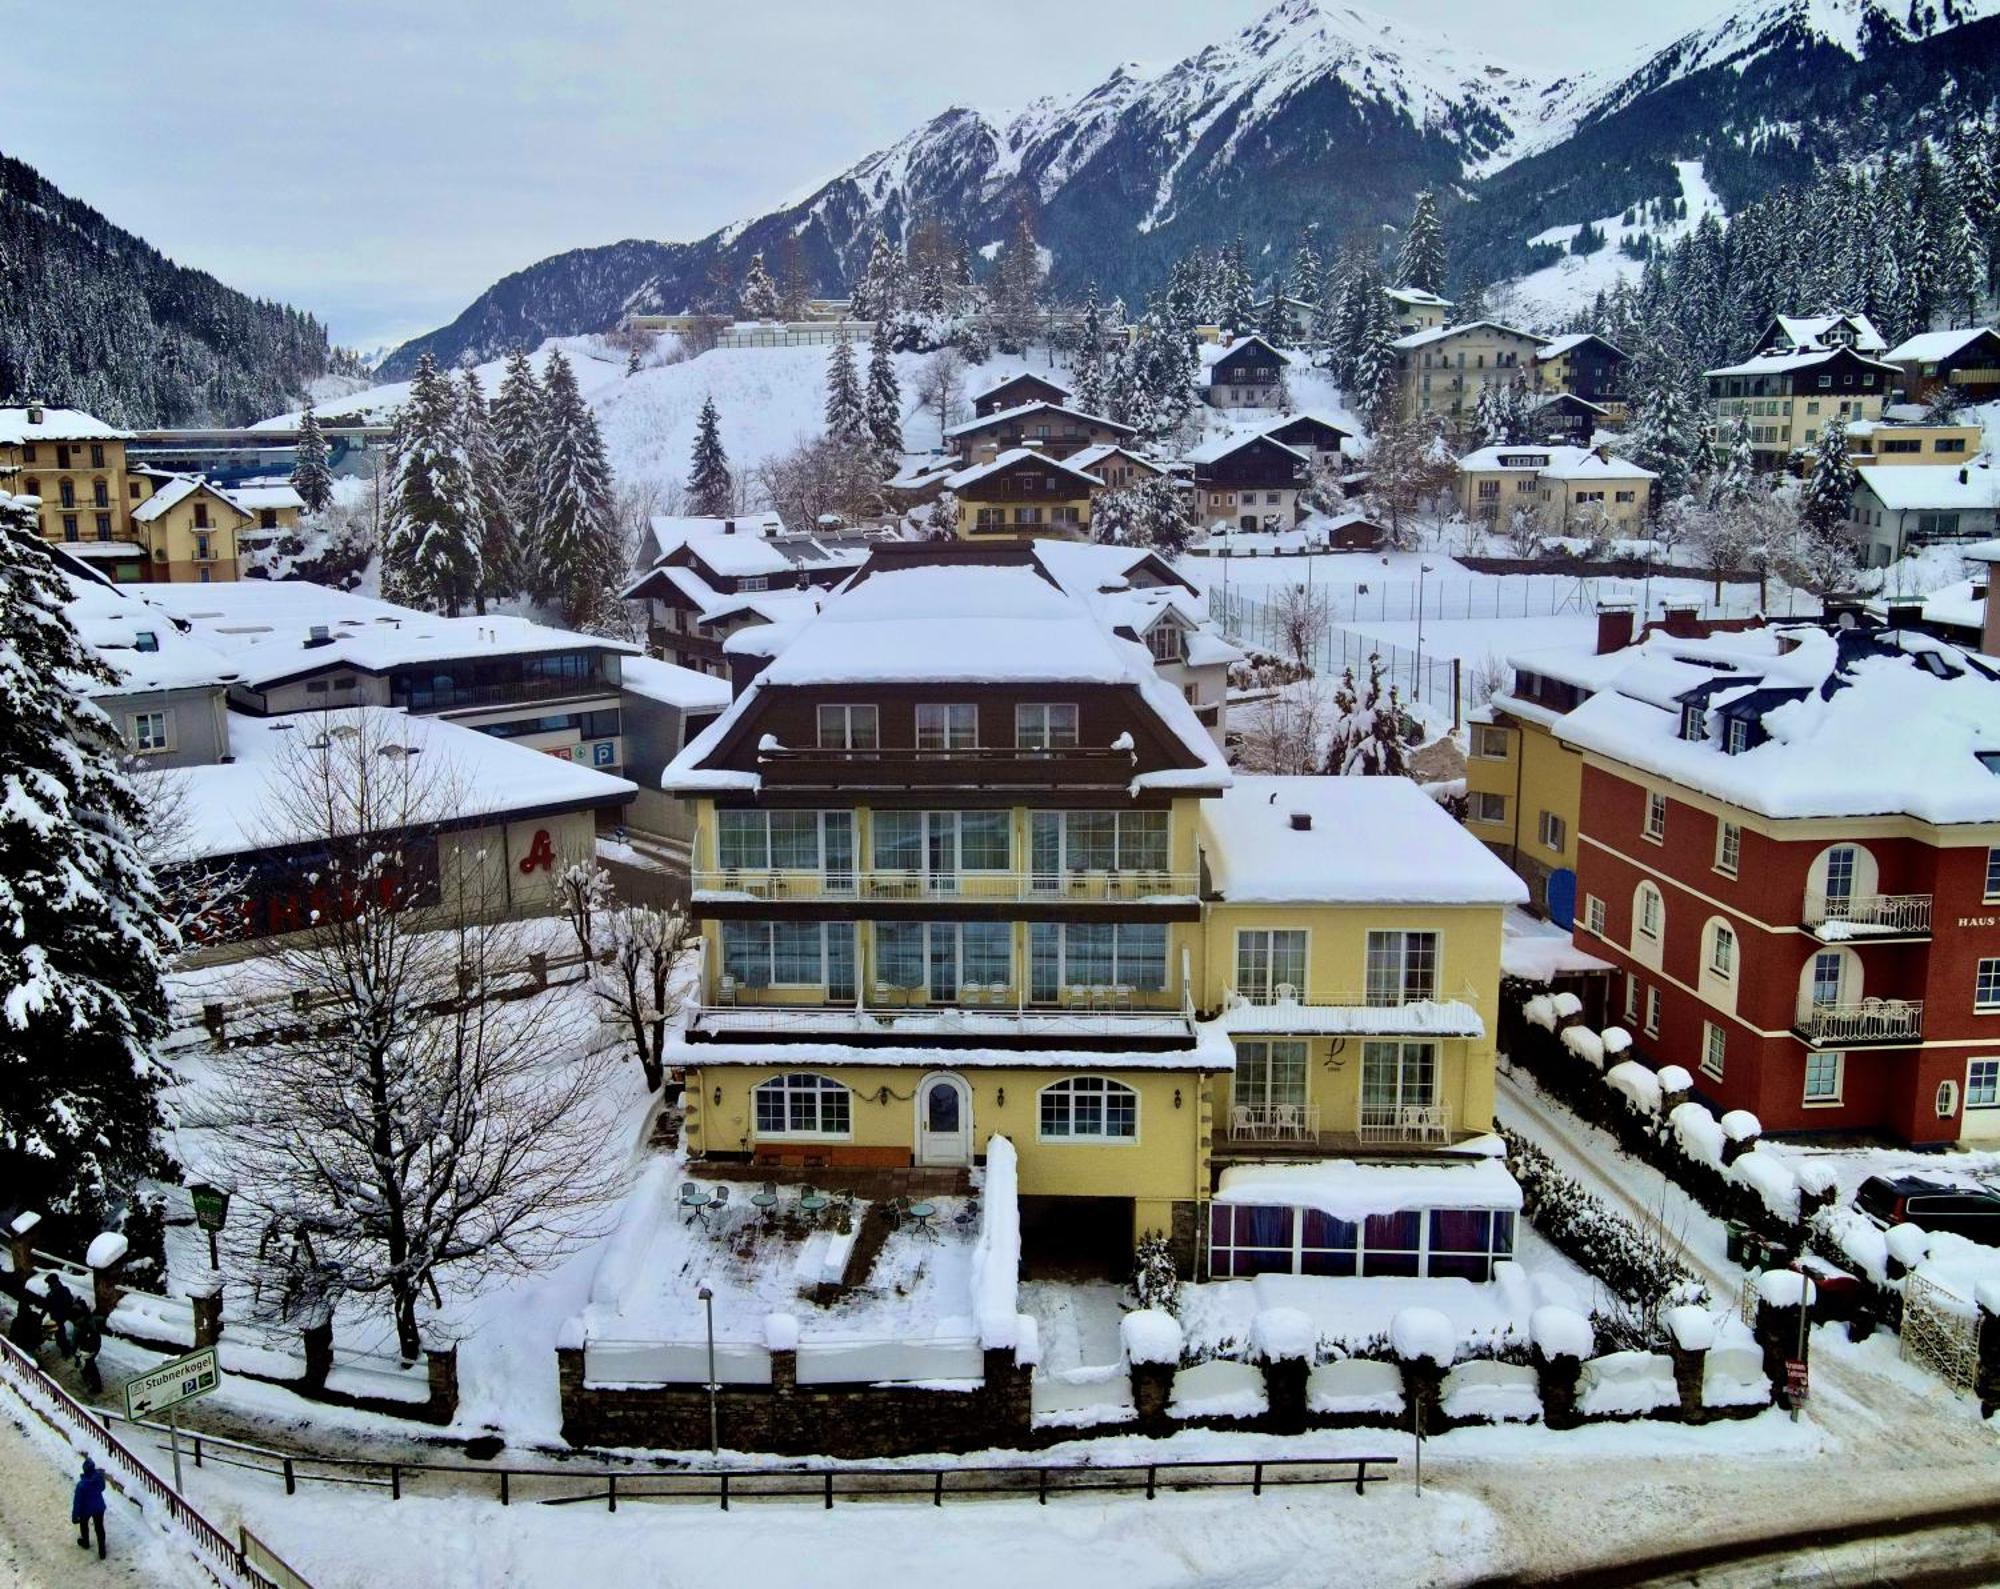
{"type": "Point", "coordinates": [37, 1543]}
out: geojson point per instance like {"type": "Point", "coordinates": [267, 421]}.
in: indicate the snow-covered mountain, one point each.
{"type": "Point", "coordinates": [1316, 112]}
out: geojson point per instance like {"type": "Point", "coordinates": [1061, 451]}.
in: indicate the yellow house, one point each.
{"type": "Point", "coordinates": [1573, 490]}
{"type": "Point", "coordinates": [1023, 495]}
{"type": "Point", "coordinates": [75, 464]}
{"type": "Point", "coordinates": [1784, 397]}
{"type": "Point", "coordinates": [1442, 371]}
{"type": "Point", "coordinates": [1904, 441]}
{"type": "Point", "coordinates": [189, 527]}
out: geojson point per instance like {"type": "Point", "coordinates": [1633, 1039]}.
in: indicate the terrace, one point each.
{"type": "Point", "coordinates": [1838, 917]}
{"type": "Point", "coordinates": [717, 884]}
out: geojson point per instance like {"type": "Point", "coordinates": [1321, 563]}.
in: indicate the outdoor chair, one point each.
{"type": "Point", "coordinates": [718, 1200]}
{"type": "Point", "coordinates": [725, 989]}
{"type": "Point", "coordinates": [693, 1202]}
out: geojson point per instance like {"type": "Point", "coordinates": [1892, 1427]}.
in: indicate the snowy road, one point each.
{"type": "Point", "coordinates": [37, 1542]}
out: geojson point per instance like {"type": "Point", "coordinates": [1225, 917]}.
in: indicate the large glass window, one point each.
{"type": "Point", "coordinates": [1269, 959]}
{"type": "Point", "coordinates": [1094, 955]}
{"type": "Point", "coordinates": [1839, 879]}
{"type": "Point", "coordinates": [785, 841]}
{"type": "Point", "coordinates": [1402, 967]}
{"type": "Point", "coordinates": [1396, 1076]}
{"type": "Point", "coordinates": [790, 954]}
{"type": "Point", "coordinates": [849, 728]}
{"type": "Point", "coordinates": [1823, 1077]}
{"type": "Point", "coordinates": [1986, 986]}
{"type": "Point", "coordinates": [1089, 1108]}
{"type": "Point", "coordinates": [803, 1105]}
{"type": "Point", "coordinates": [1269, 1075]}
{"type": "Point", "coordinates": [947, 726]}
{"type": "Point", "coordinates": [1045, 726]}
{"type": "Point", "coordinates": [1393, 1243]}
{"type": "Point", "coordinates": [1248, 1239]}
{"type": "Point", "coordinates": [1099, 841]}
{"type": "Point", "coordinates": [939, 958]}
{"type": "Point", "coordinates": [944, 843]}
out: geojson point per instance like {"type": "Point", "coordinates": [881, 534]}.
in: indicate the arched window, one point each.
{"type": "Point", "coordinates": [1721, 952]}
{"type": "Point", "coordinates": [1649, 913]}
{"type": "Point", "coordinates": [1089, 1109]}
{"type": "Point", "coordinates": [804, 1105]}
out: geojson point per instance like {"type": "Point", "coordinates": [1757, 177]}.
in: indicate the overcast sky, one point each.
{"type": "Point", "coordinates": [381, 162]}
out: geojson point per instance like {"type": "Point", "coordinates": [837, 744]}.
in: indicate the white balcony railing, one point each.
{"type": "Point", "coordinates": [1274, 1122]}
{"type": "Point", "coordinates": [1376, 998]}
{"type": "Point", "coordinates": [904, 883]}
{"type": "Point", "coordinates": [943, 1020]}
{"type": "Point", "coordinates": [1864, 1021]}
{"type": "Point", "coordinates": [1863, 915]}
{"type": "Point", "coordinates": [1424, 1123]}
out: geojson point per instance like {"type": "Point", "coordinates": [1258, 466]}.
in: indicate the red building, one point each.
{"type": "Point", "coordinates": [1789, 846]}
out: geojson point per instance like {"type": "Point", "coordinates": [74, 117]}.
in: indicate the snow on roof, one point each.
{"type": "Point", "coordinates": [919, 472]}
{"type": "Point", "coordinates": [1213, 353]}
{"type": "Point", "coordinates": [1006, 381]}
{"type": "Point", "coordinates": [1307, 416]}
{"type": "Point", "coordinates": [1954, 606]}
{"type": "Point", "coordinates": [235, 809]}
{"type": "Point", "coordinates": [1974, 488]}
{"type": "Point", "coordinates": [176, 491]}
{"type": "Point", "coordinates": [1007, 460]}
{"type": "Point", "coordinates": [670, 531]}
{"type": "Point", "coordinates": [1416, 295]}
{"type": "Point", "coordinates": [1540, 951]}
{"type": "Point", "coordinates": [673, 685]}
{"type": "Point", "coordinates": [1089, 457]}
{"type": "Point", "coordinates": [1413, 853]}
{"type": "Point", "coordinates": [770, 606]}
{"type": "Point", "coordinates": [1022, 410]}
{"type": "Point", "coordinates": [253, 498]}
{"type": "Point", "coordinates": [1556, 347]}
{"type": "Point", "coordinates": [1420, 1018]}
{"type": "Point", "coordinates": [1811, 330]}
{"type": "Point", "coordinates": [1784, 361]}
{"type": "Point", "coordinates": [57, 424]}
{"type": "Point", "coordinates": [1219, 447]}
{"type": "Point", "coordinates": [1418, 339]}
{"type": "Point", "coordinates": [1210, 1050]}
{"type": "Point", "coordinates": [1823, 756]}
{"type": "Point", "coordinates": [1556, 462]}
{"type": "Point", "coordinates": [1351, 1191]}
{"type": "Point", "coordinates": [115, 624]}
{"type": "Point", "coordinates": [1927, 347]}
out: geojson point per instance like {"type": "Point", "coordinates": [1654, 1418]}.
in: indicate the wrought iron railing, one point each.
{"type": "Point", "coordinates": [1864, 1021]}
{"type": "Point", "coordinates": [1870, 913]}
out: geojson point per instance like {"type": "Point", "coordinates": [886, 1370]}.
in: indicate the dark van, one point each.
{"type": "Point", "coordinates": [1931, 1205]}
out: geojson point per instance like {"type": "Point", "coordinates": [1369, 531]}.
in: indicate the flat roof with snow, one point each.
{"type": "Point", "coordinates": [1351, 1191]}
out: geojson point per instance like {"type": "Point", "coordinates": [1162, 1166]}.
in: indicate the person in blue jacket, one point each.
{"type": "Point", "coordinates": [86, 1506]}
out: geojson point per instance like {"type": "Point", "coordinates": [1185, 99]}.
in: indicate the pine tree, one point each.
{"type": "Point", "coordinates": [310, 475]}
{"type": "Point", "coordinates": [878, 295]}
{"type": "Point", "coordinates": [517, 425]}
{"type": "Point", "coordinates": [1829, 486]}
{"type": "Point", "coordinates": [1276, 325]}
{"type": "Point", "coordinates": [1668, 436]}
{"type": "Point", "coordinates": [430, 543]}
{"type": "Point", "coordinates": [846, 409]}
{"type": "Point", "coordinates": [576, 546]}
{"type": "Point", "coordinates": [1377, 384]}
{"type": "Point", "coordinates": [1238, 296]}
{"type": "Point", "coordinates": [1422, 262]}
{"type": "Point", "coordinates": [499, 548]}
{"type": "Point", "coordinates": [1150, 512]}
{"type": "Point", "coordinates": [884, 399]}
{"type": "Point", "coordinates": [1089, 366]}
{"type": "Point", "coordinates": [1017, 286]}
{"type": "Point", "coordinates": [1368, 738]}
{"type": "Point", "coordinates": [759, 300]}
{"type": "Point", "coordinates": [711, 491]}
{"type": "Point", "coordinates": [1305, 281]}
{"type": "Point", "coordinates": [84, 943]}
{"type": "Point", "coordinates": [1736, 479]}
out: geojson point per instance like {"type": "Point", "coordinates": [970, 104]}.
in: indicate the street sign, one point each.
{"type": "Point", "coordinates": [170, 1384]}
{"type": "Point", "coordinates": [1795, 1381]}
{"type": "Point", "coordinates": [211, 1206]}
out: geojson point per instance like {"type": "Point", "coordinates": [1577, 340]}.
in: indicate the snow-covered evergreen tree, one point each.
{"type": "Point", "coordinates": [1017, 286]}
{"type": "Point", "coordinates": [431, 535]}
{"type": "Point", "coordinates": [1376, 390]}
{"type": "Point", "coordinates": [576, 541]}
{"type": "Point", "coordinates": [1237, 294]}
{"type": "Point", "coordinates": [759, 300]}
{"type": "Point", "coordinates": [310, 476]}
{"type": "Point", "coordinates": [1149, 512]}
{"type": "Point", "coordinates": [711, 490]}
{"type": "Point", "coordinates": [1829, 483]}
{"type": "Point", "coordinates": [884, 398]}
{"type": "Point", "coordinates": [1343, 733]}
{"type": "Point", "coordinates": [83, 941]}
{"type": "Point", "coordinates": [1668, 438]}
{"type": "Point", "coordinates": [1367, 739]}
{"type": "Point", "coordinates": [1088, 369]}
{"type": "Point", "coordinates": [1275, 326]}
{"type": "Point", "coordinates": [1736, 475]}
{"type": "Point", "coordinates": [499, 546]}
{"type": "Point", "coordinates": [846, 408]}
{"type": "Point", "coordinates": [1421, 264]}
{"type": "Point", "coordinates": [878, 295]}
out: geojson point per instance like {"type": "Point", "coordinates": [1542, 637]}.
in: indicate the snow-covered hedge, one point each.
{"type": "Point", "coordinates": [1771, 1178]}
{"type": "Point", "coordinates": [996, 1255]}
{"type": "Point", "coordinates": [1635, 1267]}
{"type": "Point", "coordinates": [1423, 1333]}
{"type": "Point", "coordinates": [1151, 1336]}
{"type": "Point", "coordinates": [1585, 1044]}
{"type": "Point", "coordinates": [1698, 1134]}
{"type": "Point", "coordinates": [1639, 1086]}
{"type": "Point", "coordinates": [1281, 1334]}
{"type": "Point", "coordinates": [1561, 1332]}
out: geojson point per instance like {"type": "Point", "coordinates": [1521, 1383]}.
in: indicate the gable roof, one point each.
{"type": "Point", "coordinates": [1022, 411]}
{"type": "Point", "coordinates": [1090, 457]}
{"type": "Point", "coordinates": [178, 490]}
{"type": "Point", "coordinates": [1556, 347]}
{"type": "Point", "coordinates": [1560, 463]}
{"type": "Point", "coordinates": [1215, 353]}
{"type": "Point", "coordinates": [1418, 339]}
{"type": "Point", "coordinates": [1786, 362]}
{"type": "Point", "coordinates": [1803, 330]}
{"type": "Point", "coordinates": [1927, 347]}
{"type": "Point", "coordinates": [1417, 296]}
{"type": "Point", "coordinates": [1309, 419]}
{"type": "Point", "coordinates": [1020, 377]}
{"type": "Point", "coordinates": [1008, 460]}
{"type": "Point", "coordinates": [57, 424]}
{"type": "Point", "coordinates": [1216, 448]}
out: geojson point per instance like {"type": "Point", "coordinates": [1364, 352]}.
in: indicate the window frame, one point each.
{"type": "Point", "coordinates": [1552, 830]}
{"type": "Point", "coordinates": [1475, 812]}
{"type": "Point", "coordinates": [1823, 1100]}
{"type": "Point", "coordinates": [1595, 915]}
{"type": "Point", "coordinates": [1433, 953]}
{"type": "Point", "coordinates": [1653, 826]}
{"type": "Point", "coordinates": [1483, 736]}
{"type": "Point", "coordinates": [1986, 986]}
{"type": "Point", "coordinates": [953, 732]}
{"type": "Point", "coordinates": [1721, 956]}
{"type": "Point", "coordinates": [787, 1084]}
{"type": "Point", "coordinates": [1067, 1091]}
{"type": "Point", "coordinates": [1272, 981]}
{"type": "Point", "coordinates": [850, 715]}
{"type": "Point", "coordinates": [144, 744]}
{"type": "Point", "coordinates": [1046, 739]}
{"type": "Point", "coordinates": [1991, 891]}
{"type": "Point", "coordinates": [1728, 848]}
{"type": "Point", "coordinates": [1652, 1023]}
{"type": "Point", "coordinates": [1650, 895]}
{"type": "Point", "coordinates": [1991, 1087]}
{"type": "Point", "coordinates": [1714, 1049]}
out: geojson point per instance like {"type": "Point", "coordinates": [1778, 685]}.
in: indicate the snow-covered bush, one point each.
{"type": "Point", "coordinates": [1771, 1178]}
{"type": "Point", "coordinates": [1540, 1011]}
{"type": "Point", "coordinates": [1561, 1332]}
{"type": "Point", "coordinates": [1639, 1086]}
{"type": "Point", "coordinates": [1585, 1044]}
{"type": "Point", "coordinates": [1675, 1078]}
{"type": "Point", "coordinates": [1423, 1333]}
{"type": "Point", "coordinates": [1151, 1337]}
{"type": "Point", "coordinates": [1156, 1282]}
{"type": "Point", "coordinates": [1283, 1334]}
{"type": "Point", "coordinates": [1698, 1134]}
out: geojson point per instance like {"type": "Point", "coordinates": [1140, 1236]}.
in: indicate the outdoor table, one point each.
{"type": "Point", "coordinates": [694, 1205]}
{"type": "Point", "coordinates": [813, 1206]}
{"type": "Point", "coordinates": [923, 1213]}
{"type": "Point", "coordinates": [764, 1202]}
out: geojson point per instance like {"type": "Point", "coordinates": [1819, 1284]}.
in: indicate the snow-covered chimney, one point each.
{"type": "Point", "coordinates": [34, 413]}
{"type": "Point", "coordinates": [1302, 822]}
{"type": "Point", "coordinates": [1614, 626]}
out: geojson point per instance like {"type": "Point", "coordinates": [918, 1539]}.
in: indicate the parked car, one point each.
{"type": "Point", "coordinates": [1967, 1211]}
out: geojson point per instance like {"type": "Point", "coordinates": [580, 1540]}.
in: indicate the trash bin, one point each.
{"type": "Point", "coordinates": [1736, 1239]}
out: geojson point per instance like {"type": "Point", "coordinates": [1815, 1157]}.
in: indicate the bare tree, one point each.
{"type": "Point", "coordinates": [940, 387]}
{"type": "Point", "coordinates": [821, 478]}
{"type": "Point", "coordinates": [1285, 733]}
{"type": "Point", "coordinates": [1526, 525]}
{"type": "Point", "coordinates": [194, 893]}
{"type": "Point", "coordinates": [1303, 615]}
{"type": "Point", "coordinates": [1408, 467]}
{"type": "Point", "coordinates": [645, 944]}
{"type": "Point", "coordinates": [583, 894]}
{"type": "Point", "coordinates": [415, 1123]}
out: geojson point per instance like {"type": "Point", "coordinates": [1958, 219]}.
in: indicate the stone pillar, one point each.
{"type": "Point", "coordinates": [1986, 1377]}
{"type": "Point", "coordinates": [1010, 1395]}
{"type": "Point", "coordinates": [1152, 1389]}
{"type": "Point", "coordinates": [441, 1368]}
{"type": "Point", "coordinates": [570, 1393]}
{"type": "Point", "coordinates": [21, 1241]}
{"type": "Point", "coordinates": [1184, 1240]}
{"type": "Point", "coordinates": [1285, 1390]}
{"type": "Point", "coordinates": [207, 1304]}
{"type": "Point", "coordinates": [1557, 1377]}
{"type": "Point", "coordinates": [1777, 1333]}
{"type": "Point", "coordinates": [107, 1279]}
{"type": "Point", "coordinates": [318, 1341]}
{"type": "Point", "coordinates": [1423, 1386]}
{"type": "Point", "coordinates": [1690, 1365]}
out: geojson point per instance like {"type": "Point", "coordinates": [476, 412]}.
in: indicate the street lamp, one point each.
{"type": "Point", "coordinates": [707, 1294]}
{"type": "Point", "coordinates": [1417, 682]}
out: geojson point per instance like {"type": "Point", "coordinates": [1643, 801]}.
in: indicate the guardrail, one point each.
{"type": "Point", "coordinates": [1866, 1021]}
{"type": "Point", "coordinates": [1395, 998]}
{"type": "Point", "coordinates": [1890, 913]}
{"type": "Point", "coordinates": [226, 1561]}
{"type": "Point", "coordinates": [906, 883]}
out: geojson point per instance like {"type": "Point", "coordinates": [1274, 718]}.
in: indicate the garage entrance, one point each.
{"type": "Point", "coordinates": [1076, 1238]}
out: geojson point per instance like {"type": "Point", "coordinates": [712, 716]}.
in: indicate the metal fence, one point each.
{"type": "Point", "coordinates": [1492, 596]}
{"type": "Point", "coordinates": [1250, 621]}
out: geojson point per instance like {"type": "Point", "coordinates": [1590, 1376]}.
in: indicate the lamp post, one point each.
{"type": "Point", "coordinates": [707, 1294]}
{"type": "Point", "coordinates": [1417, 680]}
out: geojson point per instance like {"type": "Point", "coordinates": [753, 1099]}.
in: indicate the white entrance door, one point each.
{"type": "Point", "coordinates": [944, 1121]}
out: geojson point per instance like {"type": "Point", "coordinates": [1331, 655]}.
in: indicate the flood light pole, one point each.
{"type": "Point", "coordinates": [1417, 677]}
{"type": "Point", "coordinates": [707, 1295]}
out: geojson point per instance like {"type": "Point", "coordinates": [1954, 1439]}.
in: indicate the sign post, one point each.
{"type": "Point", "coordinates": [163, 1389]}
{"type": "Point", "coordinates": [211, 1213]}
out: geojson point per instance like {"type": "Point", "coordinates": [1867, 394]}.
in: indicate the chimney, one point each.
{"type": "Point", "coordinates": [1302, 822]}
{"type": "Point", "coordinates": [1681, 621]}
{"type": "Point", "coordinates": [1905, 614]}
{"type": "Point", "coordinates": [728, 526]}
{"type": "Point", "coordinates": [1614, 626]}
{"type": "Point", "coordinates": [34, 413]}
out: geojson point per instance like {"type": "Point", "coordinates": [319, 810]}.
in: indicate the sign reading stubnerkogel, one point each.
{"type": "Point", "coordinates": [170, 1384]}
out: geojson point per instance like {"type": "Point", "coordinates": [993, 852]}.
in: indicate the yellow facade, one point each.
{"type": "Point", "coordinates": [1524, 792]}
{"type": "Point", "coordinates": [1886, 442]}
{"type": "Point", "coordinates": [1445, 376]}
{"type": "Point", "coordinates": [82, 485]}
{"type": "Point", "coordinates": [1780, 426]}
{"type": "Point", "coordinates": [195, 539]}
{"type": "Point", "coordinates": [1010, 518]}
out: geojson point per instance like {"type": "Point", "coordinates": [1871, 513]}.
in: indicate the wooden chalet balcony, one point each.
{"type": "Point", "coordinates": [904, 883]}
{"type": "Point", "coordinates": [1975, 377]}
{"type": "Point", "coordinates": [1868, 916]}
{"type": "Point", "coordinates": [1862, 1023]}
{"type": "Point", "coordinates": [900, 765]}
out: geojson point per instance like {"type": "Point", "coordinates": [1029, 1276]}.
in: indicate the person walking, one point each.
{"type": "Point", "coordinates": [89, 1341]}
{"type": "Point", "coordinates": [61, 1309]}
{"type": "Point", "coordinates": [86, 1506]}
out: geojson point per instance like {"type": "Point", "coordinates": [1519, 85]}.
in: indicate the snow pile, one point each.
{"type": "Point", "coordinates": [1150, 1336]}
{"type": "Point", "coordinates": [781, 1332]}
{"type": "Point", "coordinates": [1283, 1334]}
{"type": "Point", "coordinates": [1639, 1085]}
{"type": "Point", "coordinates": [1958, 1266]}
{"type": "Point", "coordinates": [1987, 1294]}
{"type": "Point", "coordinates": [1027, 1341]}
{"type": "Point", "coordinates": [1857, 1239]}
{"type": "Point", "coordinates": [1692, 1328]}
{"type": "Point", "coordinates": [1355, 1385]}
{"type": "Point", "coordinates": [1616, 1039]}
{"type": "Point", "coordinates": [1771, 1178]}
{"type": "Point", "coordinates": [996, 1255]}
{"type": "Point", "coordinates": [1566, 1005]}
{"type": "Point", "coordinates": [1733, 1376]}
{"type": "Point", "coordinates": [1585, 1044]}
{"type": "Point", "coordinates": [1423, 1333]}
{"type": "Point", "coordinates": [106, 1249]}
{"type": "Point", "coordinates": [1540, 1011]}
{"type": "Point", "coordinates": [25, 1222]}
{"type": "Point", "coordinates": [1219, 1389]}
{"type": "Point", "coordinates": [1503, 1392]}
{"type": "Point", "coordinates": [1628, 1384]}
{"type": "Point", "coordinates": [1674, 1078]}
{"type": "Point", "coordinates": [1909, 1245]}
{"type": "Point", "coordinates": [1561, 1332]}
{"type": "Point", "coordinates": [1740, 1125]}
{"type": "Point", "coordinates": [1782, 1288]}
{"type": "Point", "coordinates": [1815, 1178]}
{"type": "Point", "coordinates": [1698, 1134]}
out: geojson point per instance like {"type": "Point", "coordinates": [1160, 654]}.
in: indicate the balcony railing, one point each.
{"type": "Point", "coordinates": [1065, 765]}
{"type": "Point", "coordinates": [1274, 1122]}
{"type": "Point", "coordinates": [1377, 998]}
{"type": "Point", "coordinates": [898, 883]}
{"type": "Point", "coordinates": [930, 1021]}
{"type": "Point", "coordinates": [1868, 915]}
{"type": "Point", "coordinates": [1863, 1021]}
{"type": "Point", "coordinates": [1430, 1123]}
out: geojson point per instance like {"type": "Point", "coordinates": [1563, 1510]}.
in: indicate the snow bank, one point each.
{"type": "Point", "coordinates": [1909, 1245]}
{"type": "Point", "coordinates": [1150, 1336]}
{"type": "Point", "coordinates": [1585, 1044]}
{"type": "Point", "coordinates": [1628, 1383]}
{"type": "Point", "coordinates": [1740, 1125]}
{"type": "Point", "coordinates": [1858, 1240]}
{"type": "Point", "coordinates": [106, 1248]}
{"type": "Point", "coordinates": [1616, 1039]}
{"type": "Point", "coordinates": [1639, 1085]}
{"type": "Point", "coordinates": [1419, 1333]}
{"type": "Point", "coordinates": [1355, 1385]}
{"type": "Point", "coordinates": [1733, 1376]}
{"type": "Point", "coordinates": [996, 1255]}
{"type": "Point", "coordinates": [1698, 1134]}
{"type": "Point", "coordinates": [1561, 1332]}
{"type": "Point", "coordinates": [781, 1332]}
{"type": "Point", "coordinates": [1219, 1389]}
{"type": "Point", "coordinates": [1692, 1328]}
{"type": "Point", "coordinates": [1781, 1288]}
{"type": "Point", "coordinates": [1540, 1011]}
{"type": "Point", "coordinates": [1503, 1392]}
{"type": "Point", "coordinates": [24, 1222]}
{"type": "Point", "coordinates": [1674, 1078]}
{"type": "Point", "coordinates": [1765, 1173]}
{"type": "Point", "coordinates": [1281, 1334]}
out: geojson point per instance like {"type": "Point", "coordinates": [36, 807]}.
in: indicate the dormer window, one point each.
{"type": "Point", "coordinates": [1736, 737]}
{"type": "Point", "coordinates": [1694, 722]}
{"type": "Point", "coordinates": [1167, 642]}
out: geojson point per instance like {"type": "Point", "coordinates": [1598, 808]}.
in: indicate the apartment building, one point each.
{"type": "Point", "coordinates": [1574, 490]}
{"type": "Point", "coordinates": [1247, 480]}
{"type": "Point", "coordinates": [1443, 371]}
{"type": "Point", "coordinates": [1246, 373]}
{"type": "Point", "coordinates": [1023, 494]}
{"type": "Point", "coordinates": [1786, 396]}
{"type": "Point", "coordinates": [1588, 367]}
{"type": "Point", "coordinates": [1966, 361]}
